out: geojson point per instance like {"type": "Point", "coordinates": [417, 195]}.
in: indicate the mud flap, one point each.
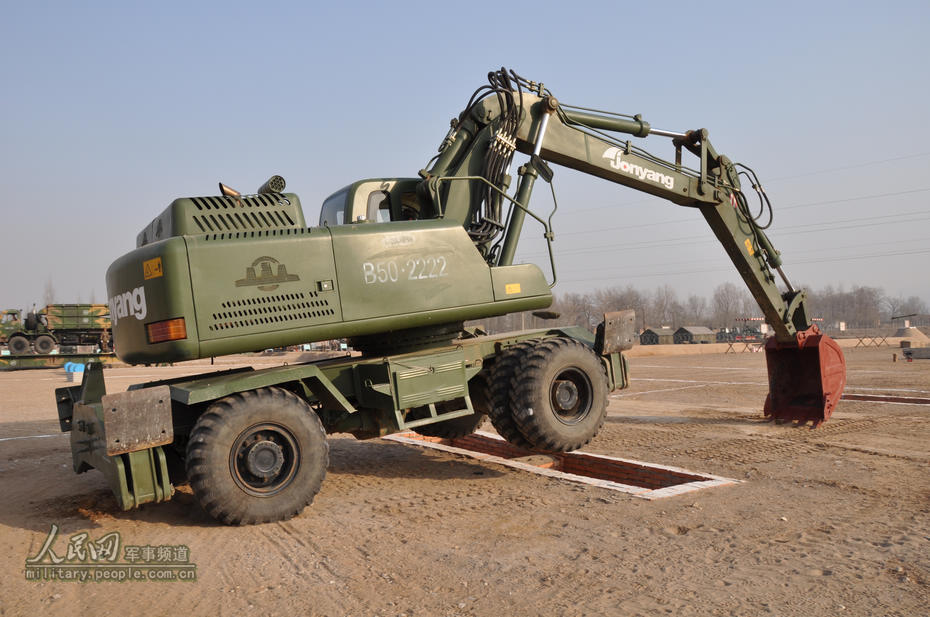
{"type": "Point", "coordinates": [614, 335]}
{"type": "Point", "coordinates": [806, 377]}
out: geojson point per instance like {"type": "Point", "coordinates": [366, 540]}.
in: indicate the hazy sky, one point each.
{"type": "Point", "coordinates": [111, 111]}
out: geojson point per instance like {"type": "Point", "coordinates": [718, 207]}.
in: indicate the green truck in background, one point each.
{"type": "Point", "coordinates": [55, 326]}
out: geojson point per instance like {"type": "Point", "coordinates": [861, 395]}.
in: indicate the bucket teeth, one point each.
{"type": "Point", "coordinates": [796, 422]}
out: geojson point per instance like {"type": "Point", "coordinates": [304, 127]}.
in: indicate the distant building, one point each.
{"type": "Point", "coordinates": [657, 336]}
{"type": "Point", "coordinates": [746, 334]}
{"type": "Point", "coordinates": [694, 334]}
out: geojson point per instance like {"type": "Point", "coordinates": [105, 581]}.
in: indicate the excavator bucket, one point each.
{"type": "Point", "coordinates": [806, 377]}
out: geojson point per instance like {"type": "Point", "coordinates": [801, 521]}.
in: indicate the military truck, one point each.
{"type": "Point", "coordinates": [396, 265]}
{"type": "Point", "coordinates": [55, 326]}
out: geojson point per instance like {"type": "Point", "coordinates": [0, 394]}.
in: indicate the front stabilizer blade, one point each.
{"type": "Point", "coordinates": [806, 377]}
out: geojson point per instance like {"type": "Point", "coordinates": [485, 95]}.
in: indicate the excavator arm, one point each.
{"type": "Point", "coordinates": [471, 175]}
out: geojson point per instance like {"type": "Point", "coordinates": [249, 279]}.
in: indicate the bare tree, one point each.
{"type": "Point", "coordinates": [49, 295]}
{"type": "Point", "coordinates": [891, 306]}
{"type": "Point", "coordinates": [914, 304]}
{"type": "Point", "coordinates": [617, 298]}
{"type": "Point", "coordinates": [578, 309]}
{"type": "Point", "coordinates": [727, 304]}
{"type": "Point", "coordinates": [827, 304]}
{"type": "Point", "coordinates": [861, 307]}
{"type": "Point", "coordinates": [865, 306]}
{"type": "Point", "coordinates": [696, 312]}
{"type": "Point", "coordinates": [665, 309]}
{"type": "Point", "coordinates": [894, 306]}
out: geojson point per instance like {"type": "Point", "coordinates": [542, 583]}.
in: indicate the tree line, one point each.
{"type": "Point", "coordinates": [727, 307]}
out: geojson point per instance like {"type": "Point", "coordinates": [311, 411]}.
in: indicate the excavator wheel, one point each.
{"type": "Point", "coordinates": [478, 390]}
{"type": "Point", "coordinates": [560, 401]}
{"type": "Point", "coordinates": [504, 376]}
{"type": "Point", "coordinates": [44, 344]}
{"type": "Point", "coordinates": [18, 345]}
{"type": "Point", "coordinates": [257, 457]}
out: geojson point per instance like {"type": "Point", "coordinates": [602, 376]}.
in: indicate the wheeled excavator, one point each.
{"type": "Point", "coordinates": [396, 266]}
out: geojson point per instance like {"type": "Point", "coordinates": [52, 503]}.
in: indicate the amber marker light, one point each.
{"type": "Point", "coordinates": [168, 330]}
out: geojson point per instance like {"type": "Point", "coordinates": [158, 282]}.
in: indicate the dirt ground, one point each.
{"type": "Point", "coordinates": [834, 521]}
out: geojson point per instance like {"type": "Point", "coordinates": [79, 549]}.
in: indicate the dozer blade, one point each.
{"type": "Point", "coordinates": [806, 377]}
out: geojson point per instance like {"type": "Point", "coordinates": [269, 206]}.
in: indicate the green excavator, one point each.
{"type": "Point", "coordinates": [396, 266]}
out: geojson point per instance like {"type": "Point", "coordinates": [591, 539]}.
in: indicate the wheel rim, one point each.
{"type": "Point", "coordinates": [264, 459]}
{"type": "Point", "coordinates": [570, 395]}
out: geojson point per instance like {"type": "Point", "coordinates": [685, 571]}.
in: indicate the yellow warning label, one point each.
{"type": "Point", "coordinates": [512, 288]}
{"type": "Point", "coordinates": [152, 269]}
{"type": "Point", "coordinates": [749, 248]}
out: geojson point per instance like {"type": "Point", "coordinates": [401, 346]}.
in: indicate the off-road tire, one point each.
{"type": "Point", "coordinates": [560, 401]}
{"type": "Point", "coordinates": [44, 344]}
{"type": "Point", "coordinates": [479, 391]}
{"type": "Point", "coordinates": [507, 372]}
{"type": "Point", "coordinates": [269, 431]}
{"type": "Point", "coordinates": [18, 345]}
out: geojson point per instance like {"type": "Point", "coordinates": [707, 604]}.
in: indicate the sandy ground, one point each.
{"type": "Point", "coordinates": [834, 521]}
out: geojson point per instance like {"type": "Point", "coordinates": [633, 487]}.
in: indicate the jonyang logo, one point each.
{"type": "Point", "coordinates": [616, 161]}
{"type": "Point", "coordinates": [130, 303]}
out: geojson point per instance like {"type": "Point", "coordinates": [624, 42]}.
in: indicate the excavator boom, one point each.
{"type": "Point", "coordinates": [806, 368]}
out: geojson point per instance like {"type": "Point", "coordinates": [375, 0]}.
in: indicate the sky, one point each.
{"type": "Point", "coordinates": [110, 111]}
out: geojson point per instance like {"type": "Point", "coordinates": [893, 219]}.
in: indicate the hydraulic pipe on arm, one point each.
{"type": "Point", "coordinates": [528, 175]}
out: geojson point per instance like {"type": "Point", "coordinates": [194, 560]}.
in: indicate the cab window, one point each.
{"type": "Point", "coordinates": [333, 211]}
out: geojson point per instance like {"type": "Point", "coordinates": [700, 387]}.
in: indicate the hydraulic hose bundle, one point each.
{"type": "Point", "coordinates": [487, 221]}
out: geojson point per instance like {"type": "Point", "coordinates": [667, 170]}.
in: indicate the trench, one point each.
{"type": "Point", "coordinates": [638, 478]}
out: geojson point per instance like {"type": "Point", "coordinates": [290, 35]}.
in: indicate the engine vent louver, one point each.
{"type": "Point", "coordinates": [266, 213]}
{"type": "Point", "coordinates": [256, 234]}
{"type": "Point", "coordinates": [292, 309]}
{"type": "Point", "coordinates": [252, 213]}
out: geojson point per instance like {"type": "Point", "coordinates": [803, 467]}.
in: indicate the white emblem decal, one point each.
{"type": "Point", "coordinates": [130, 303]}
{"type": "Point", "coordinates": [616, 161]}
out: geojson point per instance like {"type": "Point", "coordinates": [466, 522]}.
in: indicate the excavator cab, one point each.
{"type": "Point", "coordinates": [375, 200]}
{"type": "Point", "coordinates": [806, 378]}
